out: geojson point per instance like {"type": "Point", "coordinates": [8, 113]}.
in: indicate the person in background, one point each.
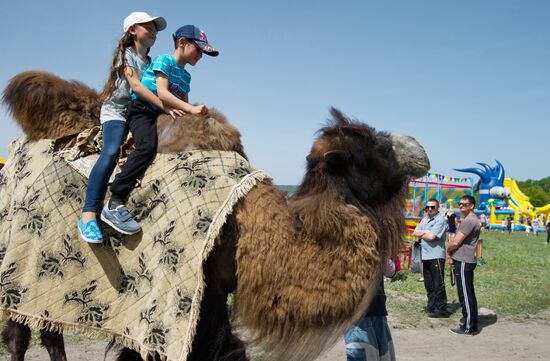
{"type": "Point", "coordinates": [536, 226]}
{"type": "Point", "coordinates": [483, 219]}
{"type": "Point", "coordinates": [431, 231]}
{"type": "Point", "coordinates": [370, 338]}
{"type": "Point", "coordinates": [527, 229]}
{"type": "Point", "coordinates": [548, 231]}
{"type": "Point", "coordinates": [451, 222]}
{"type": "Point", "coordinates": [463, 254]}
{"type": "Point", "coordinates": [509, 225]}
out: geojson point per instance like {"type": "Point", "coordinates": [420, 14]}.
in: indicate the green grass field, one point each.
{"type": "Point", "coordinates": [513, 280]}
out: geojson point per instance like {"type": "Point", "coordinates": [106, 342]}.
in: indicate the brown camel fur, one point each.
{"type": "Point", "coordinates": [332, 243]}
{"type": "Point", "coordinates": [212, 132]}
{"type": "Point", "coordinates": [46, 106]}
{"type": "Point", "coordinates": [302, 268]}
{"type": "Point", "coordinates": [72, 108]}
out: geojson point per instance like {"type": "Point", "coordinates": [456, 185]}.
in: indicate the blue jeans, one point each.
{"type": "Point", "coordinates": [369, 340]}
{"type": "Point", "coordinates": [114, 133]}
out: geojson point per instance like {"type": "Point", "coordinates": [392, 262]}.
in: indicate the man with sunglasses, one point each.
{"type": "Point", "coordinates": [463, 253]}
{"type": "Point", "coordinates": [432, 232]}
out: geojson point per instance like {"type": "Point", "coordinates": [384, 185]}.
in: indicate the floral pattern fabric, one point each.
{"type": "Point", "coordinates": [142, 290]}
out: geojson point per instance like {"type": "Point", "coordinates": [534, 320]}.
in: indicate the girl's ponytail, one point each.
{"type": "Point", "coordinates": [117, 66]}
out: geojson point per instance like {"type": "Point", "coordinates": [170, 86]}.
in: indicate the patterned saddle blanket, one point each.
{"type": "Point", "coordinates": [143, 291]}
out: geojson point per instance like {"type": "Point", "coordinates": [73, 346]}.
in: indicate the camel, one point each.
{"type": "Point", "coordinates": [301, 268]}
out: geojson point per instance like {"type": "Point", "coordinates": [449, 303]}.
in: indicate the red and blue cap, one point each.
{"type": "Point", "coordinates": [191, 32]}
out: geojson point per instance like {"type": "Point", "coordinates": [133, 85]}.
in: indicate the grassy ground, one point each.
{"type": "Point", "coordinates": [513, 280]}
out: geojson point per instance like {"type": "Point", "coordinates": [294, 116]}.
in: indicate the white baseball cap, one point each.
{"type": "Point", "coordinates": [141, 18]}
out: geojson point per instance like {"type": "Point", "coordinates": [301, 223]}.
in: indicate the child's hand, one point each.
{"type": "Point", "coordinates": [199, 109]}
{"type": "Point", "coordinates": [174, 113]}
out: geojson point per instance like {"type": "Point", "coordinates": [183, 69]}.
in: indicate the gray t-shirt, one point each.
{"type": "Point", "coordinates": [438, 226]}
{"type": "Point", "coordinates": [115, 107]}
{"type": "Point", "coordinates": [467, 250]}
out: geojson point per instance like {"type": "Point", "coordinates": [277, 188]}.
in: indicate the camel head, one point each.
{"type": "Point", "coordinates": [308, 266]}
{"type": "Point", "coordinates": [412, 157]}
{"type": "Point", "coordinates": [368, 167]}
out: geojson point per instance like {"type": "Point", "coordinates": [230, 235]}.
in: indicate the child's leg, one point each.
{"type": "Point", "coordinates": [114, 133]}
{"type": "Point", "coordinates": [142, 123]}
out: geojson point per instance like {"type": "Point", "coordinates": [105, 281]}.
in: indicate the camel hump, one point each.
{"type": "Point", "coordinates": [47, 107]}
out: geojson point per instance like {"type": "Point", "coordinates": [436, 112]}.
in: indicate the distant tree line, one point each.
{"type": "Point", "coordinates": [538, 191]}
{"type": "Point", "coordinates": [287, 188]}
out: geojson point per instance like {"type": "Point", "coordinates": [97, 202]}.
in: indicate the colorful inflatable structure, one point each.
{"type": "Point", "coordinates": [501, 198]}
{"type": "Point", "coordinates": [447, 190]}
{"type": "Point", "coordinates": [498, 198]}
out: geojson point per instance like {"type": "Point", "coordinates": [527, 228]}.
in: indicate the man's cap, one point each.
{"type": "Point", "coordinates": [139, 17]}
{"type": "Point", "coordinates": [191, 32]}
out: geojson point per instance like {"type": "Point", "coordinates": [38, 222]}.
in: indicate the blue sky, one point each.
{"type": "Point", "coordinates": [469, 79]}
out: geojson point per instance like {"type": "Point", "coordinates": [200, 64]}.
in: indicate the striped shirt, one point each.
{"type": "Point", "coordinates": [179, 79]}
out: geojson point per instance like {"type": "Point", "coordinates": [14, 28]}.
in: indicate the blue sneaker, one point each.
{"type": "Point", "coordinates": [90, 231]}
{"type": "Point", "coordinates": [120, 219]}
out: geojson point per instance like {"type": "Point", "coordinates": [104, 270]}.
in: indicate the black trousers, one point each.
{"type": "Point", "coordinates": [433, 271]}
{"type": "Point", "coordinates": [142, 122]}
{"type": "Point", "coordinates": [464, 274]}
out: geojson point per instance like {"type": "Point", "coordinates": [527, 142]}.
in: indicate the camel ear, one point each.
{"type": "Point", "coordinates": [337, 160]}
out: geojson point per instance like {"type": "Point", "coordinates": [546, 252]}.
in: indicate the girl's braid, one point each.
{"type": "Point", "coordinates": [117, 66]}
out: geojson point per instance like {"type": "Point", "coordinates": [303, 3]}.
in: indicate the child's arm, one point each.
{"type": "Point", "coordinates": [147, 95]}
{"type": "Point", "coordinates": [171, 100]}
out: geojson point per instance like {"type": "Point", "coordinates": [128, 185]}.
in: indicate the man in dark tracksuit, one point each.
{"type": "Point", "coordinates": [463, 253]}
{"type": "Point", "coordinates": [432, 232]}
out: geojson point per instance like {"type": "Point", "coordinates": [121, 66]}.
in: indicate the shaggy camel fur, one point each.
{"type": "Point", "coordinates": [72, 106]}
{"type": "Point", "coordinates": [302, 267]}
{"type": "Point", "coordinates": [346, 217]}
{"type": "Point", "coordinates": [46, 106]}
